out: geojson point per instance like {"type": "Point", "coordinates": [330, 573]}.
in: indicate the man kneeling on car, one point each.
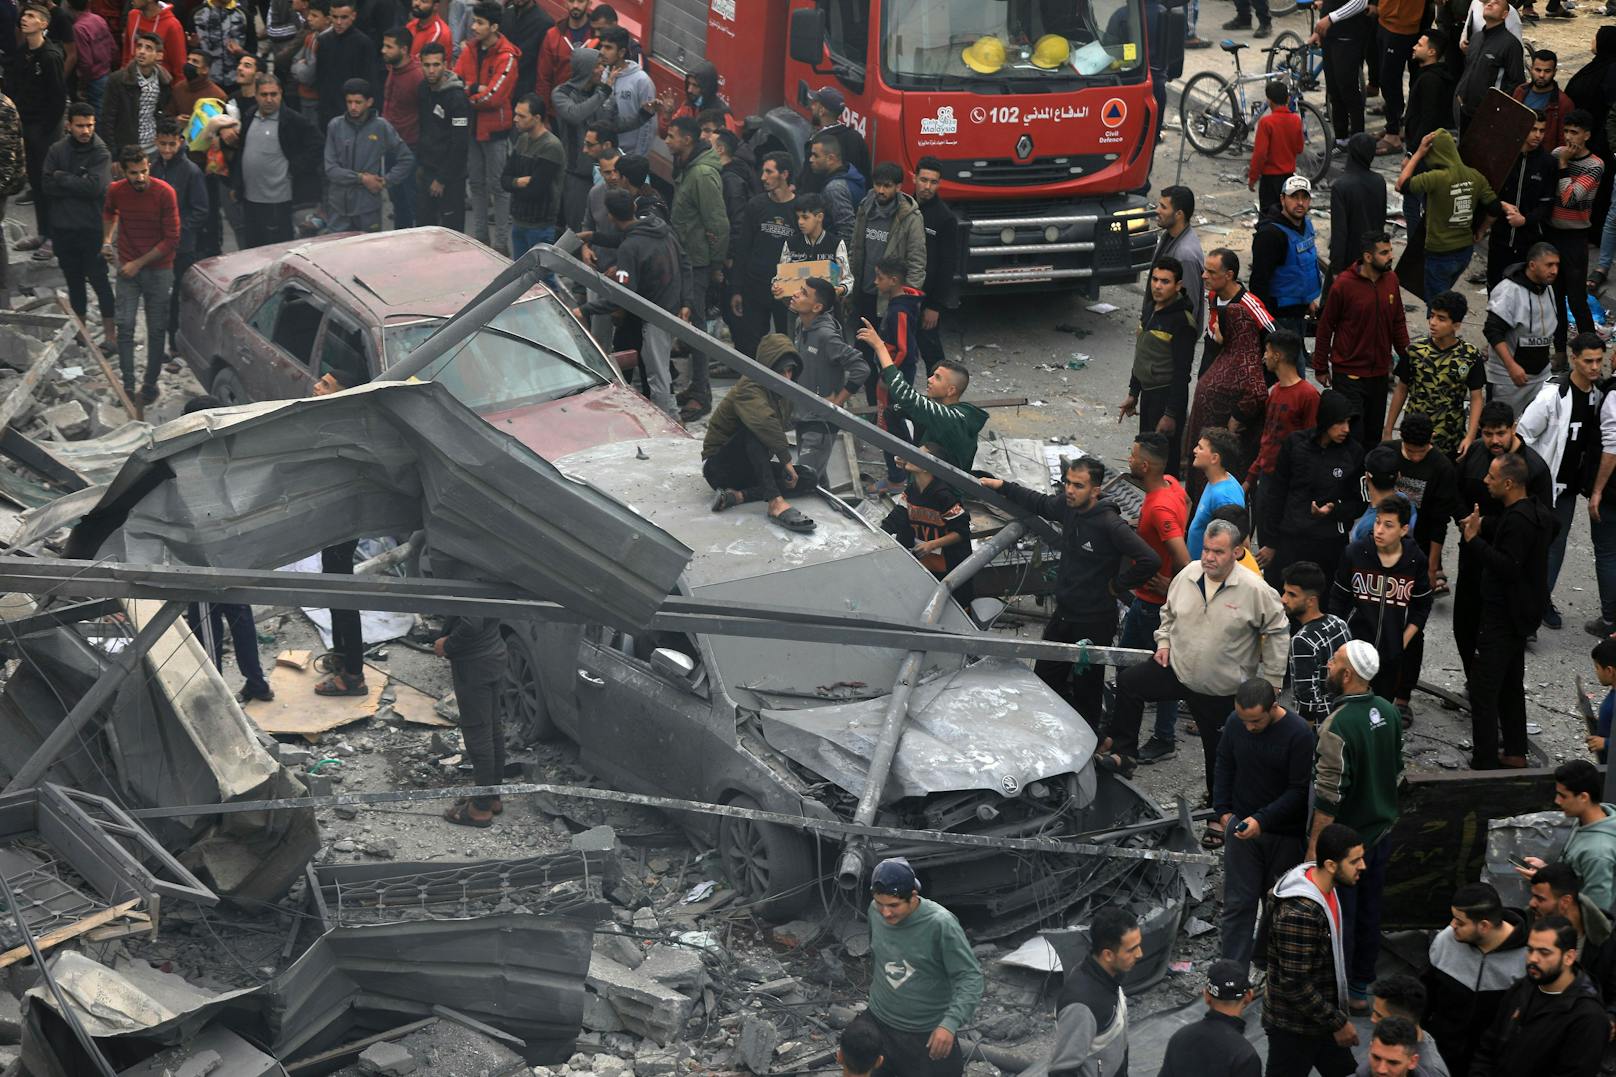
{"type": "Point", "coordinates": [747, 435]}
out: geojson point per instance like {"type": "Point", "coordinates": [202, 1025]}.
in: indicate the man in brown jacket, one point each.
{"type": "Point", "coordinates": [746, 435]}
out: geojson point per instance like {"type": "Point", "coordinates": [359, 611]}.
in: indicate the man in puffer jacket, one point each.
{"type": "Point", "coordinates": [358, 146]}
{"type": "Point", "coordinates": [701, 221]}
{"type": "Point", "coordinates": [488, 68]}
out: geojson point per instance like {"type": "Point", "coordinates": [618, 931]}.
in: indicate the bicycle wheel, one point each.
{"type": "Point", "coordinates": [1209, 113]}
{"type": "Point", "coordinates": [1288, 55]}
{"type": "Point", "coordinates": [1317, 143]}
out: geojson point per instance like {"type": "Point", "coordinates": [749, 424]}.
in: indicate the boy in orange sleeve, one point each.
{"type": "Point", "coordinates": [1279, 140]}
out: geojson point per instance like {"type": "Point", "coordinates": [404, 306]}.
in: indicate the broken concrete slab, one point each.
{"type": "Point", "coordinates": [214, 1052]}
{"type": "Point", "coordinates": [678, 967]}
{"type": "Point", "coordinates": [596, 839]}
{"type": "Point", "coordinates": [755, 1048]}
{"type": "Point", "coordinates": [599, 1016]}
{"type": "Point", "coordinates": [387, 1060]}
{"type": "Point", "coordinates": [609, 942]}
{"type": "Point", "coordinates": [646, 1007]}
{"type": "Point", "coordinates": [70, 418]}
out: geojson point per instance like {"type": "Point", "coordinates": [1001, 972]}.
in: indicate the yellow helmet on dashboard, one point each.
{"type": "Point", "coordinates": [1050, 51]}
{"type": "Point", "coordinates": [985, 55]}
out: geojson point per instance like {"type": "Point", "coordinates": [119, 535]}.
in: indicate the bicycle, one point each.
{"type": "Point", "coordinates": [1227, 115]}
{"type": "Point", "coordinates": [1303, 63]}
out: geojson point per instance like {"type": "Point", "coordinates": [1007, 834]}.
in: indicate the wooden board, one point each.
{"type": "Point", "coordinates": [70, 931]}
{"type": "Point", "coordinates": [299, 660]}
{"type": "Point", "coordinates": [297, 711]}
{"type": "Point", "coordinates": [417, 708]}
{"type": "Point", "coordinates": [1493, 140]}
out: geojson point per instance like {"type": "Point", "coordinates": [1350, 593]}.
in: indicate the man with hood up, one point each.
{"type": "Point", "coordinates": [650, 262]}
{"type": "Point", "coordinates": [1456, 196]}
{"type": "Point", "coordinates": [1524, 203]}
{"type": "Point", "coordinates": [358, 145]}
{"type": "Point", "coordinates": [701, 95]}
{"type": "Point", "coordinates": [1311, 498]}
{"type": "Point", "coordinates": [578, 103]}
{"type": "Point", "coordinates": [445, 143]}
{"type": "Point", "coordinates": [1102, 558]}
{"type": "Point", "coordinates": [1305, 998]}
{"type": "Point", "coordinates": [745, 455]}
{"type": "Point", "coordinates": [1357, 203]}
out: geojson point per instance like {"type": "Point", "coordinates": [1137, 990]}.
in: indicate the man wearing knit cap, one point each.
{"type": "Point", "coordinates": [1356, 772]}
{"type": "Point", "coordinates": [925, 981]}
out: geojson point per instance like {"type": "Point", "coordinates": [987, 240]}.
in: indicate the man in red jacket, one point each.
{"type": "Point", "coordinates": [555, 54]}
{"type": "Point", "coordinates": [1362, 324]}
{"type": "Point", "coordinates": [155, 17]}
{"type": "Point", "coordinates": [144, 216]}
{"type": "Point", "coordinates": [427, 28]}
{"type": "Point", "coordinates": [487, 66]}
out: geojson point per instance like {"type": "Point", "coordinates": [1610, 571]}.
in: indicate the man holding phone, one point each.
{"type": "Point", "coordinates": [1259, 792]}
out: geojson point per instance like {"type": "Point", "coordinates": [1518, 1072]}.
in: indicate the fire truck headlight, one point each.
{"type": "Point", "coordinates": [1007, 236]}
{"type": "Point", "coordinates": [1051, 234]}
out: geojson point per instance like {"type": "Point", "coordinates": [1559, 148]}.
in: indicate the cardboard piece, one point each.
{"type": "Point", "coordinates": [295, 659]}
{"type": "Point", "coordinates": [417, 707]}
{"type": "Point", "coordinates": [822, 267]}
{"type": "Point", "coordinates": [297, 711]}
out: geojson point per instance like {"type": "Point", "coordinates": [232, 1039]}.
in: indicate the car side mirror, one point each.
{"type": "Point", "coordinates": [672, 664]}
{"type": "Point", "coordinates": [1175, 23]}
{"type": "Point", "coordinates": [986, 610]}
{"type": "Point", "coordinates": [807, 36]}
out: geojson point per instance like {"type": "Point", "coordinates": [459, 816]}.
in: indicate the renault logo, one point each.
{"type": "Point", "coordinates": [1024, 147]}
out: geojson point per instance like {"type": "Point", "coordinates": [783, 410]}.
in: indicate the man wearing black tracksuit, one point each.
{"type": "Point", "coordinates": [942, 259]}
{"type": "Point", "coordinates": [1346, 31]}
{"type": "Point", "coordinates": [1102, 558]}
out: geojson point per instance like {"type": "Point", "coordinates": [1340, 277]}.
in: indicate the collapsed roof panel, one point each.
{"type": "Point", "coordinates": [262, 485]}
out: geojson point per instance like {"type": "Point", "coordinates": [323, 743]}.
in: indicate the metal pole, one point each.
{"type": "Point", "coordinates": [851, 869]}
{"type": "Point", "coordinates": [123, 664]}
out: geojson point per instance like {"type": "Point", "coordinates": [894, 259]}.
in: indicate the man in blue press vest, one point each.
{"type": "Point", "coordinates": [1285, 268]}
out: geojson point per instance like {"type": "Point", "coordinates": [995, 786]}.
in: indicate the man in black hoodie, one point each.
{"type": "Point", "coordinates": [1102, 558]}
{"type": "Point", "coordinates": [1552, 1020]}
{"type": "Point", "coordinates": [1524, 203]}
{"type": "Point", "coordinates": [650, 262]}
{"type": "Point", "coordinates": [1357, 204]}
{"type": "Point", "coordinates": [759, 237]}
{"type": "Point", "coordinates": [1312, 497]}
{"type": "Point", "coordinates": [942, 258]}
{"type": "Point", "coordinates": [1383, 590]}
{"type": "Point", "coordinates": [445, 142]}
{"type": "Point", "coordinates": [1515, 587]}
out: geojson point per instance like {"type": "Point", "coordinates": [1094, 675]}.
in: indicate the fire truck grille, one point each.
{"type": "Point", "coordinates": [1006, 172]}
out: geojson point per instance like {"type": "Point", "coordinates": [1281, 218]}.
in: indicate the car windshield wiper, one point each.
{"type": "Point", "coordinates": [576, 364]}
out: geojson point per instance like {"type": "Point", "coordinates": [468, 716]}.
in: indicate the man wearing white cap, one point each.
{"type": "Point", "coordinates": [1356, 772]}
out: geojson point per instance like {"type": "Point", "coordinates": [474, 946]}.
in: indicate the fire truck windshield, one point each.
{"type": "Point", "coordinates": [1023, 45]}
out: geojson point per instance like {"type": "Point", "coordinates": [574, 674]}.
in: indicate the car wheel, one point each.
{"type": "Point", "coordinates": [771, 867]}
{"type": "Point", "coordinates": [521, 696]}
{"type": "Point", "coordinates": [228, 388]}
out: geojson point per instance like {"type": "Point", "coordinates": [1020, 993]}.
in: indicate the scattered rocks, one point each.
{"type": "Point", "coordinates": [619, 947]}
{"type": "Point", "coordinates": [597, 839]}
{"type": "Point", "coordinates": [70, 418]}
{"type": "Point", "coordinates": [796, 933]}
{"type": "Point", "coordinates": [646, 1007]}
{"type": "Point", "coordinates": [675, 966]}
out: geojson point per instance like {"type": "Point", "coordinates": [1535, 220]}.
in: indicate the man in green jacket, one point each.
{"type": "Point", "coordinates": [701, 223]}
{"type": "Point", "coordinates": [1591, 849]}
{"type": "Point", "coordinates": [925, 981]}
{"type": "Point", "coordinates": [940, 415]}
{"type": "Point", "coordinates": [1357, 768]}
{"type": "Point", "coordinates": [888, 225]}
{"type": "Point", "coordinates": [745, 455]}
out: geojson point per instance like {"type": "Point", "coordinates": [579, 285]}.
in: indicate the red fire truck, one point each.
{"type": "Point", "coordinates": [1044, 113]}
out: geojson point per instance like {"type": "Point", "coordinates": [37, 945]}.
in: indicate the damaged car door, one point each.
{"type": "Point", "coordinates": [644, 704]}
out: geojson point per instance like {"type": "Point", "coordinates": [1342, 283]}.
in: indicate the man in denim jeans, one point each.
{"type": "Point", "coordinates": [1162, 521]}
{"type": "Point", "coordinates": [144, 215]}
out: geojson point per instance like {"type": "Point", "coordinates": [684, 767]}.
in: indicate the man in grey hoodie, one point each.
{"type": "Point", "coordinates": [358, 145]}
{"type": "Point", "coordinates": [831, 367]}
{"type": "Point", "coordinates": [577, 103]}
{"type": "Point", "coordinates": [631, 90]}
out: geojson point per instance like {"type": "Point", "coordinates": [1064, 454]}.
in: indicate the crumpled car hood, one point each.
{"type": "Point", "coordinates": [991, 726]}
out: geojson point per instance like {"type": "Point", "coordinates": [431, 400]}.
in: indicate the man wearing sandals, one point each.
{"type": "Point", "coordinates": [745, 455]}
{"type": "Point", "coordinates": [347, 637]}
{"type": "Point", "coordinates": [476, 653]}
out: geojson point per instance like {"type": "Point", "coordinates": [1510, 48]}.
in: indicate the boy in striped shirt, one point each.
{"type": "Point", "coordinates": [1579, 175]}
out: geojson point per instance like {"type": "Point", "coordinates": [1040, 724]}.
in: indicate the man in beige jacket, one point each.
{"type": "Point", "coordinates": [1220, 624]}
